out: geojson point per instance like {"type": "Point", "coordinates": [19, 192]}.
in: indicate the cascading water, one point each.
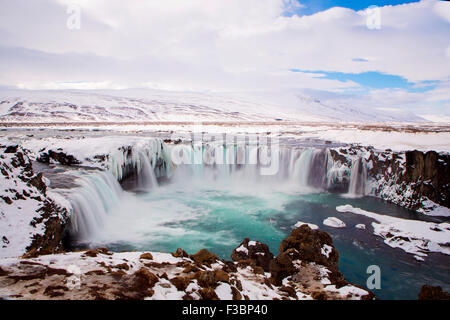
{"type": "Point", "coordinates": [358, 178]}
{"type": "Point", "coordinates": [234, 165]}
{"type": "Point", "coordinates": [218, 197]}
{"type": "Point", "coordinates": [98, 193]}
{"type": "Point", "coordinates": [146, 162]}
{"type": "Point", "coordinates": [92, 201]}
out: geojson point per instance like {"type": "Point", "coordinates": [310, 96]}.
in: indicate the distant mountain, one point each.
{"type": "Point", "coordinates": [150, 105]}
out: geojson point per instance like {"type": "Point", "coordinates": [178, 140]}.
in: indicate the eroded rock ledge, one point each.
{"type": "Point", "coordinates": [305, 268]}
{"type": "Point", "coordinates": [413, 179]}
{"type": "Point", "coordinates": [30, 220]}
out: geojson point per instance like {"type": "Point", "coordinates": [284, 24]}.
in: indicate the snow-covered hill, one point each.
{"type": "Point", "coordinates": [150, 105]}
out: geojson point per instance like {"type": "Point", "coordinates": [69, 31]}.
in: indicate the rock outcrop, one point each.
{"type": "Point", "coordinates": [433, 293]}
{"type": "Point", "coordinates": [100, 274]}
{"type": "Point", "coordinates": [60, 157]}
{"type": "Point", "coordinates": [413, 179]}
{"type": "Point", "coordinates": [254, 251]}
{"type": "Point", "coordinates": [311, 246]}
{"type": "Point", "coordinates": [25, 205]}
{"type": "Point", "coordinates": [306, 246]}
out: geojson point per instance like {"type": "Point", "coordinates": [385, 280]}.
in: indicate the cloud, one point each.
{"type": "Point", "coordinates": [218, 45]}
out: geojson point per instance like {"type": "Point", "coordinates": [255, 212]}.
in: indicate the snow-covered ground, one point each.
{"type": "Point", "coordinates": [78, 275]}
{"type": "Point", "coordinates": [412, 236]}
{"type": "Point", "coordinates": [25, 208]}
{"type": "Point", "coordinates": [151, 105]}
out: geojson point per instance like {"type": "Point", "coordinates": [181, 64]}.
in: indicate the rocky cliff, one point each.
{"type": "Point", "coordinates": [30, 220]}
{"type": "Point", "coordinates": [413, 179]}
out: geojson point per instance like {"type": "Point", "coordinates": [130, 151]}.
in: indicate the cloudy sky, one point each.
{"type": "Point", "coordinates": [395, 56]}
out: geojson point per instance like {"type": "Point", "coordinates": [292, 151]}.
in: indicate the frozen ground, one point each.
{"type": "Point", "coordinates": [412, 236]}
{"type": "Point", "coordinates": [132, 105]}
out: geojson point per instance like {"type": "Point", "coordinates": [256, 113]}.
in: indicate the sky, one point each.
{"type": "Point", "coordinates": [389, 55]}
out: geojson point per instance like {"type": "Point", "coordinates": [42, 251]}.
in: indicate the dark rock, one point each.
{"type": "Point", "coordinates": [180, 283]}
{"type": "Point", "coordinates": [208, 294]}
{"type": "Point", "coordinates": [289, 290]}
{"type": "Point", "coordinates": [3, 272]}
{"type": "Point", "coordinates": [180, 253]}
{"type": "Point", "coordinates": [190, 268]}
{"type": "Point", "coordinates": [222, 276]}
{"type": "Point", "coordinates": [236, 294]}
{"type": "Point", "coordinates": [61, 157]}
{"type": "Point", "coordinates": [280, 268]}
{"type": "Point", "coordinates": [319, 295]}
{"type": "Point", "coordinates": [122, 266]}
{"type": "Point", "coordinates": [204, 257]}
{"type": "Point", "coordinates": [433, 293]}
{"type": "Point", "coordinates": [51, 241]}
{"type": "Point", "coordinates": [207, 278]}
{"type": "Point", "coordinates": [11, 149]}
{"type": "Point", "coordinates": [147, 256]}
{"type": "Point", "coordinates": [308, 246]}
{"type": "Point", "coordinates": [55, 291]}
{"type": "Point", "coordinates": [258, 252]}
{"type": "Point", "coordinates": [38, 183]}
{"type": "Point", "coordinates": [145, 279]}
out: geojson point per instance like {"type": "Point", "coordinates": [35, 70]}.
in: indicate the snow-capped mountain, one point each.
{"type": "Point", "coordinates": [151, 105]}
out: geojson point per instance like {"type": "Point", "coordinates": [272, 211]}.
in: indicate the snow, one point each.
{"type": "Point", "coordinates": [334, 222]}
{"type": "Point", "coordinates": [431, 208]}
{"type": "Point", "coordinates": [311, 225]}
{"type": "Point", "coordinates": [153, 105]}
{"type": "Point", "coordinates": [251, 243]}
{"type": "Point", "coordinates": [347, 290]}
{"type": "Point", "coordinates": [361, 226]}
{"type": "Point", "coordinates": [394, 140]}
{"type": "Point", "coordinates": [242, 249]}
{"type": "Point", "coordinates": [412, 236]}
{"type": "Point", "coordinates": [326, 250]}
{"type": "Point", "coordinates": [16, 230]}
{"type": "Point", "coordinates": [254, 289]}
{"type": "Point", "coordinates": [223, 291]}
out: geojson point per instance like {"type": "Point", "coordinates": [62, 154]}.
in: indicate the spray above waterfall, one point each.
{"type": "Point", "coordinates": [249, 165]}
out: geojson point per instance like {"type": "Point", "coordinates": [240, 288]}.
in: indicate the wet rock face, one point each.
{"type": "Point", "coordinates": [421, 175]}
{"type": "Point", "coordinates": [407, 179]}
{"type": "Point", "coordinates": [255, 251]}
{"type": "Point", "coordinates": [433, 293]}
{"type": "Point", "coordinates": [431, 173]}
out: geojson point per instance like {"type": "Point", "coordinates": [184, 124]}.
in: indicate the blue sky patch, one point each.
{"type": "Point", "coordinates": [309, 7]}
{"type": "Point", "coordinates": [374, 80]}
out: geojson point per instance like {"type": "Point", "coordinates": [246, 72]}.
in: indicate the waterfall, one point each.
{"type": "Point", "coordinates": [233, 164]}
{"type": "Point", "coordinates": [358, 177]}
{"type": "Point", "coordinates": [302, 167]}
{"type": "Point", "coordinates": [98, 193]}
{"type": "Point", "coordinates": [146, 161]}
{"type": "Point", "coordinates": [92, 200]}
{"type": "Point", "coordinates": [146, 178]}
